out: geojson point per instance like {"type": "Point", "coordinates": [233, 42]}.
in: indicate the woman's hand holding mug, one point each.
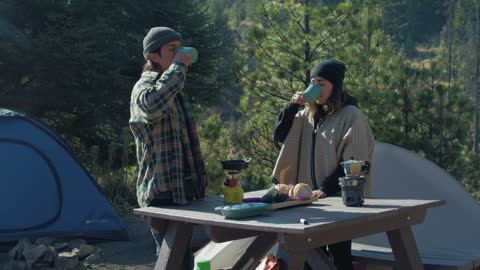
{"type": "Point", "coordinates": [297, 98]}
{"type": "Point", "coordinates": [310, 95]}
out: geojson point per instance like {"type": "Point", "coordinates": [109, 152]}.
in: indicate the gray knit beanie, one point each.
{"type": "Point", "coordinates": [157, 37]}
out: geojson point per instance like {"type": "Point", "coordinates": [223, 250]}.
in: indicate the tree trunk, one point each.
{"type": "Point", "coordinates": [405, 114]}
{"type": "Point", "coordinates": [369, 36]}
{"type": "Point", "coordinates": [411, 24]}
{"type": "Point", "coordinates": [307, 45]}
{"type": "Point", "coordinates": [406, 108]}
{"type": "Point", "coordinates": [477, 84]}
{"type": "Point", "coordinates": [450, 38]}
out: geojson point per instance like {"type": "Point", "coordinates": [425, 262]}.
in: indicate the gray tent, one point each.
{"type": "Point", "coordinates": [448, 239]}
{"type": "Point", "coordinates": [449, 236]}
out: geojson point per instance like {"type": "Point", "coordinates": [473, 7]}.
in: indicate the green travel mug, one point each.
{"type": "Point", "coordinates": [312, 93]}
{"type": "Point", "coordinates": [192, 52]}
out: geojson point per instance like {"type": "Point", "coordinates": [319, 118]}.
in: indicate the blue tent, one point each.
{"type": "Point", "coordinates": [45, 190]}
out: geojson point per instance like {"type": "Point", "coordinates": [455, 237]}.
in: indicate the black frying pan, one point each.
{"type": "Point", "coordinates": [235, 164]}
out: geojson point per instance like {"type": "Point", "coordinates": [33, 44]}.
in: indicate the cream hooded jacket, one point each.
{"type": "Point", "coordinates": [339, 136]}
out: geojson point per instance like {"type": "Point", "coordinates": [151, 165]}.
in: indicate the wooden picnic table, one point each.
{"type": "Point", "coordinates": [329, 221]}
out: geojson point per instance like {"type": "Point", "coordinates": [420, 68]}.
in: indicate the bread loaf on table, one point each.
{"type": "Point", "coordinates": [285, 189]}
{"type": "Point", "coordinates": [301, 191]}
{"type": "Point", "coordinates": [298, 191]}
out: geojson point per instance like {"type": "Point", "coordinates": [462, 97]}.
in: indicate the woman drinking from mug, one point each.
{"type": "Point", "coordinates": [318, 137]}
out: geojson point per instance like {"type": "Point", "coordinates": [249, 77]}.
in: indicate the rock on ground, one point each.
{"type": "Point", "coordinates": [137, 254]}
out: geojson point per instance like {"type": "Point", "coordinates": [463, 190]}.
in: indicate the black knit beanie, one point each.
{"type": "Point", "coordinates": [157, 37]}
{"type": "Point", "coordinates": [331, 70]}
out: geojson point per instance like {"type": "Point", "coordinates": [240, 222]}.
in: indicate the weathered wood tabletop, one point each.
{"type": "Point", "coordinates": [329, 221]}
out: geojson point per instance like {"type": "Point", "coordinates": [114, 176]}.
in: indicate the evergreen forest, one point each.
{"type": "Point", "coordinates": [413, 66]}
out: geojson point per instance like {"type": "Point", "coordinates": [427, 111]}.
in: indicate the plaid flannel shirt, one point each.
{"type": "Point", "coordinates": [168, 150]}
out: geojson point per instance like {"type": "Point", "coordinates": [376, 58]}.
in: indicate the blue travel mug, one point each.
{"type": "Point", "coordinates": [192, 52]}
{"type": "Point", "coordinates": [312, 93]}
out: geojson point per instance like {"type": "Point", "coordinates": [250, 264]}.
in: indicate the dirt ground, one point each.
{"type": "Point", "coordinates": [138, 253]}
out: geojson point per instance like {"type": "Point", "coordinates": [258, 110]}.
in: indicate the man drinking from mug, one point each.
{"type": "Point", "coordinates": [171, 168]}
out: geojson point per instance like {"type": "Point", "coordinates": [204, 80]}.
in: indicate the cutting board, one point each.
{"type": "Point", "coordinates": [286, 204]}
